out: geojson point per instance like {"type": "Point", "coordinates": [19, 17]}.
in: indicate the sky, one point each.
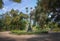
{"type": "Point", "coordinates": [8, 5]}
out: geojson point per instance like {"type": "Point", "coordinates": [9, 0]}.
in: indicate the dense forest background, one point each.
{"type": "Point", "coordinates": [44, 18]}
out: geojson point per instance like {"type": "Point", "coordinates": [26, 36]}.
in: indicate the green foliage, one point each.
{"type": "Point", "coordinates": [1, 25]}
{"type": "Point", "coordinates": [23, 32]}
{"type": "Point", "coordinates": [19, 32]}
{"type": "Point", "coordinates": [35, 28]}
{"type": "Point", "coordinates": [23, 24]}
{"type": "Point", "coordinates": [12, 20]}
{"type": "Point", "coordinates": [43, 8]}
{"type": "Point", "coordinates": [38, 29]}
{"type": "Point", "coordinates": [1, 4]}
{"type": "Point", "coordinates": [18, 1]}
{"type": "Point", "coordinates": [41, 14]}
{"type": "Point", "coordinates": [7, 20]}
{"type": "Point", "coordinates": [56, 30]}
{"type": "Point", "coordinates": [53, 25]}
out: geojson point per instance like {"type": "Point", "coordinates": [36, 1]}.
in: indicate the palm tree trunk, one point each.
{"type": "Point", "coordinates": [29, 28]}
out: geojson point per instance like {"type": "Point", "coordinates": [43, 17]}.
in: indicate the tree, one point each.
{"type": "Point", "coordinates": [15, 18]}
{"type": "Point", "coordinates": [23, 16]}
{"type": "Point", "coordinates": [44, 8]}
{"type": "Point", "coordinates": [40, 14]}
{"type": "Point", "coordinates": [54, 7]}
{"type": "Point", "coordinates": [1, 24]}
{"type": "Point", "coordinates": [49, 5]}
{"type": "Point", "coordinates": [23, 20]}
{"type": "Point", "coordinates": [7, 21]}
{"type": "Point", "coordinates": [33, 17]}
{"type": "Point", "coordinates": [18, 19]}
{"type": "Point", "coordinates": [29, 27]}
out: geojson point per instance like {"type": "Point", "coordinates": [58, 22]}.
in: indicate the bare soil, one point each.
{"type": "Point", "coordinates": [5, 36]}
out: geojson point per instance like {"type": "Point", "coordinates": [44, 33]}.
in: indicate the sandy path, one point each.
{"type": "Point", "coordinates": [5, 36]}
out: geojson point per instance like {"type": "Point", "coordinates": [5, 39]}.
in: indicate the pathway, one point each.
{"type": "Point", "coordinates": [5, 36]}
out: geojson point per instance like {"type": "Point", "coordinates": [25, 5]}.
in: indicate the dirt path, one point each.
{"type": "Point", "coordinates": [5, 36]}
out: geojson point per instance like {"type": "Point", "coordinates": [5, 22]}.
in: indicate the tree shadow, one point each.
{"type": "Point", "coordinates": [6, 39]}
{"type": "Point", "coordinates": [49, 37]}
{"type": "Point", "coordinates": [55, 36]}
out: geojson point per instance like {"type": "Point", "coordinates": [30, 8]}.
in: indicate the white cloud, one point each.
{"type": "Point", "coordinates": [5, 9]}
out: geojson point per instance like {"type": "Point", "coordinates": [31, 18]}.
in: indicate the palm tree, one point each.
{"type": "Point", "coordinates": [29, 28]}
{"type": "Point", "coordinates": [27, 19]}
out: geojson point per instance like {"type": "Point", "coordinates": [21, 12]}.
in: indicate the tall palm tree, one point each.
{"type": "Point", "coordinates": [30, 15]}
{"type": "Point", "coordinates": [27, 19]}
{"type": "Point", "coordinates": [29, 27]}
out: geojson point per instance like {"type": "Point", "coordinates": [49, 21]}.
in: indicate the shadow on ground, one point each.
{"type": "Point", "coordinates": [49, 37]}
{"type": "Point", "coordinates": [6, 39]}
{"type": "Point", "coordinates": [44, 37]}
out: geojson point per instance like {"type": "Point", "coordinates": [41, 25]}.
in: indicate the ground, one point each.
{"type": "Point", "coordinates": [5, 36]}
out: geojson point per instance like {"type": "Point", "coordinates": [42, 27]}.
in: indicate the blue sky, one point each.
{"type": "Point", "coordinates": [8, 5]}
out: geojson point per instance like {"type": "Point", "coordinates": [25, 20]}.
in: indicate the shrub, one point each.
{"type": "Point", "coordinates": [56, 30]}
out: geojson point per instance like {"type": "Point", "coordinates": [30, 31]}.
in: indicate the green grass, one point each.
{"type": "Point", "coordinates": [19, 32]}
{"type": "Point", "coordinates": [56, 30]}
